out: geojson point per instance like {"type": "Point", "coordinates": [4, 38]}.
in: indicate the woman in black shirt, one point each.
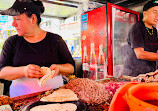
{"type": "Point", "coordinates": [24, 54]}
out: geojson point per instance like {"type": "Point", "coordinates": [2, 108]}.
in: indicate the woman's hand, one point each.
{"type": "Point", "coordinates": [33, 71]}
{"type": "Point", "coordinates": [55, 68]}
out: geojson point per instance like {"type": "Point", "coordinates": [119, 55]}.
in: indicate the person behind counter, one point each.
{"type": "Point", "coordinates": [143, 43]}
{"type": "Point", "coordinates": [23, 54]}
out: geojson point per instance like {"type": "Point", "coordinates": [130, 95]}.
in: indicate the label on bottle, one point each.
{"type": "Point", "coordinates": [93, 71]}
{"type": "Point", "coordinates": [85, 70]}
{"type": "Point", "coordinates": [85, 66]}
{"type": "Point", "coordinates": [100, 69]}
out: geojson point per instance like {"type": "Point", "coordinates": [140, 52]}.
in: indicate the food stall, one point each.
{"type": "Point", "coordinates": [92, 95]}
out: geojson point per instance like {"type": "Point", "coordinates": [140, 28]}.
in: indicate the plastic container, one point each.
{"type": "Point", "coordinates": [142, 97]}
{"type": "Point", "coordinates": [135, 96]}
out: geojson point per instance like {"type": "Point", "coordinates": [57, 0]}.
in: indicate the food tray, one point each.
{"type": "Point", "coordinates": [81, 106]}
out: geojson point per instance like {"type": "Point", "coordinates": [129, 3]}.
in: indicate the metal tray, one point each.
{"type": "Point", "coordinates": [81, 106]}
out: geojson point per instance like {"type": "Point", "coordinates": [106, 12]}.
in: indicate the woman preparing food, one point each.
{"type": "Point", "coordinates": [24, 54]}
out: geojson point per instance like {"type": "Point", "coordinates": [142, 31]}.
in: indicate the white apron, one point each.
{"type": "Point", "coordinates": [23, 86]}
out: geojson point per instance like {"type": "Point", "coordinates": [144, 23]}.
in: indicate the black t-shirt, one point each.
{"type": "Point", "coordinates": [139, 36]}
{"type": "Point", "coordinates": [51, 50]}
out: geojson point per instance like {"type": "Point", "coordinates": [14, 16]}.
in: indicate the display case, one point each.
{"type": "Point", "coordinates": [120, 20]}
{"type": "Point", "coordinates": [104, 35]}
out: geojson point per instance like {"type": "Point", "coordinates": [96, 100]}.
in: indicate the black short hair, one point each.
{"type": "Point", "coordinates": [29, 14]}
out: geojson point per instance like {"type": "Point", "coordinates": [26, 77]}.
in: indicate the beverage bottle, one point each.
{"type": "Point", "coordinates": [92, 64]}
{"type": "Point", "coordinates": [85, 63]}
{"type": "Point", "coordinates": [102, 67]}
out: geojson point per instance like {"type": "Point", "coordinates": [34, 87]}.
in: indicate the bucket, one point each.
{"type": "Point", "coordinates": [142, 97]}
